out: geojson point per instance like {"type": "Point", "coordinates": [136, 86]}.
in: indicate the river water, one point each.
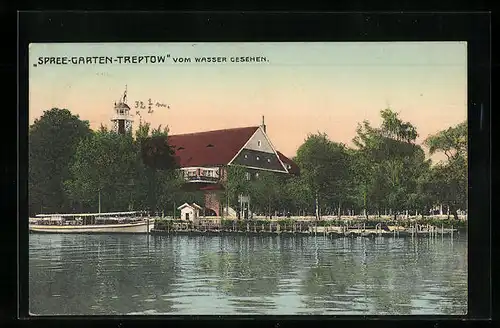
{"type": "Point", "coordinates": [246, 275]}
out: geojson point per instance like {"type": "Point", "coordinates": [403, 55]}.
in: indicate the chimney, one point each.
{"type": "Point", "coordinates": [263, 124]}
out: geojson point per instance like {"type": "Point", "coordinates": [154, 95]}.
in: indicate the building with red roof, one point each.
{"type": "Point", "coordinates": [204, 156]}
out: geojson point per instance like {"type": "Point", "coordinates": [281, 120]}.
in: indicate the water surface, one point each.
{"type": "Point", "coordinates": [219, 275]}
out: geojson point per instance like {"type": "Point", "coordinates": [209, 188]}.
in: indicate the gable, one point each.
{"type": "Point", "coordinates": [259, 142]}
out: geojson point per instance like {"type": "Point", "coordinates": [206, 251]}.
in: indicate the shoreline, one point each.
{"type": "Point", "coordinates": [329, 234]}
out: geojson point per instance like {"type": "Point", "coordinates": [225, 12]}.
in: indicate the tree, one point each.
{"type": "Point", "coordinates": [52, 143]}
{"type": "Point", "coordinates": [450, 176]}
{"type": "Point", "coordinates": [265, 192]}
{"type": "Point", "coordinates": [236, 183]}
{"type": "Point", "coordinates": [157, 176]}
{"type": "Point", "coordinates": [324, 168]}
{"type": "Point", "coordinates": [103, 168]}
{"type": "Point", "coordinates": [452, 142]}
{"type": "Point", "coordinates": [388, 163]}
{"type": "Point", "coordinates": [299, 195]}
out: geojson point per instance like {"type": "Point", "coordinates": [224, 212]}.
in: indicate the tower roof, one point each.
{"type": "Point", "coordinates": [122, 105]}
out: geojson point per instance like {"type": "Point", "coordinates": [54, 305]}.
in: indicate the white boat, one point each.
{"type": "Point", "coordinates": [115, 222]}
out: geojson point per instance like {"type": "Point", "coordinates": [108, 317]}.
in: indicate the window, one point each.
{"type": "Point", "coordinates": [269, 160]}
{"type": "Point", "coordinates": [258, 158]}
{"type": "Point", "coordinates": [259, 143]}
{"type": "Point", "coordinates": [246, 156]}
{"type": "Point", "coordinates": [257, 174]}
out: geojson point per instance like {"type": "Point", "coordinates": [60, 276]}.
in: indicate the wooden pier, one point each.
{"type": "Point", "coordinates": [274, 229]}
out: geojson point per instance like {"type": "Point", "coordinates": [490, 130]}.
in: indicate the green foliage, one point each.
{"type": "Point", "coordinates": [389, 165]}
{"type": "Point", "coordinates": [105, 164]}
{"type": "Point", "coordinates": [236, 183]}
{"type": "Point", "coordinates": [324, 168]}
{"type": "Point", "coordinates": [53, 139]}
{"type": "Point", "coordinates": [449, 178]}
{"type": "Point", "coordinates": [111, 164]}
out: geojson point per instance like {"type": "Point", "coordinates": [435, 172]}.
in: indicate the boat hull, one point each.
{"type": "Point", "coordinates": [142, 227]}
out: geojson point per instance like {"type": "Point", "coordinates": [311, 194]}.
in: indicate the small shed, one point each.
{"type": "Point", "coordinates": [189, 212]}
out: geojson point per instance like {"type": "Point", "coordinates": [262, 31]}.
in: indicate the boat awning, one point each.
{"type": "Point", "coordinates": [88, 214]}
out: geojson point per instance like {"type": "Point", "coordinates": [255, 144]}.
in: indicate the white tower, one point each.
{"type": "Point", "coordinates": [122, 120]}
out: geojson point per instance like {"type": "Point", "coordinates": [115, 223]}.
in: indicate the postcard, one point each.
{"type": "Point", "coordinates": [312, 178]}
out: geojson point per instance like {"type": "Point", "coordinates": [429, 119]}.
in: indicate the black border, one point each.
{"type": "Point", "coordinates": [278, 26]}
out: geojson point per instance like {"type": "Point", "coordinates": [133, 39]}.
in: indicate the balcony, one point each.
{"type": "Point", "coordinates": [202, 179]}
{"type": "Point", "coordinates": [201, 175]}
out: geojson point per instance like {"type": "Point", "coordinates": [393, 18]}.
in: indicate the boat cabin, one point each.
{"type": "Point", "coordinates": [88, 218]}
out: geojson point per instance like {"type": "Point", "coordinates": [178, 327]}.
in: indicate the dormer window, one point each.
{"type": "Point", "coordinates": [210, 145]}
{"type": "Point", "coordinates": [246, 156]}
{"type": "Point", "coordinates": [258, 158]}
{"type": "Point", "coordinates": [288, 166]}
{"type": "Point", "coordinates": [259, 143]}
{"type": "Point", "coordinates": [269, 160]}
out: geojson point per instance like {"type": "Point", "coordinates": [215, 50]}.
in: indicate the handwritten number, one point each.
{"type": "Point", "coordinates": [151, 104]}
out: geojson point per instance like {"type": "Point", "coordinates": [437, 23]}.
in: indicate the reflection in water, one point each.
{"type": "Point", "coordinates": [126, 274]}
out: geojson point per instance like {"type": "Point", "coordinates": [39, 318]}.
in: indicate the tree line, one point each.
{"type": "Point", "coordinates": [386, 172]}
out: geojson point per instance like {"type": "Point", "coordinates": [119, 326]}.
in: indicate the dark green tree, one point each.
{"type": "Point", "coordinates": [102, 171]}
{"type": "Point", "coordinates": [236, 182]}
{"type": "Point", "coordinates": [450, 176]}
{"type": "Point", "coordinates": [389, 164]}
{"type": "Point", "coordinates": [324, 168]}
{"type": "Point", "coordinates": [157, 176]}
{"type": "Point", "coordinates": [53, 139]}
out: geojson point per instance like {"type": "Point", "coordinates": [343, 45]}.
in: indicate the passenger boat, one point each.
{"type": "Point", "coordinates": [115, 222]}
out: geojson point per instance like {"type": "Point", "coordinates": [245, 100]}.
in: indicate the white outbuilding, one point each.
{"type": "Point", "coordinates": [189, 212]}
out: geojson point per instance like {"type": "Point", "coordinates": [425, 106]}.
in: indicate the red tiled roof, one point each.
{"type": "Point", "coordinates": [211, 147]}
{"type": "Point", "coordinates": [294, 168]}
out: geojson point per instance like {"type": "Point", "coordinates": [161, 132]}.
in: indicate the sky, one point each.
{"type": "Point", "coordinates": [300, 88]}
